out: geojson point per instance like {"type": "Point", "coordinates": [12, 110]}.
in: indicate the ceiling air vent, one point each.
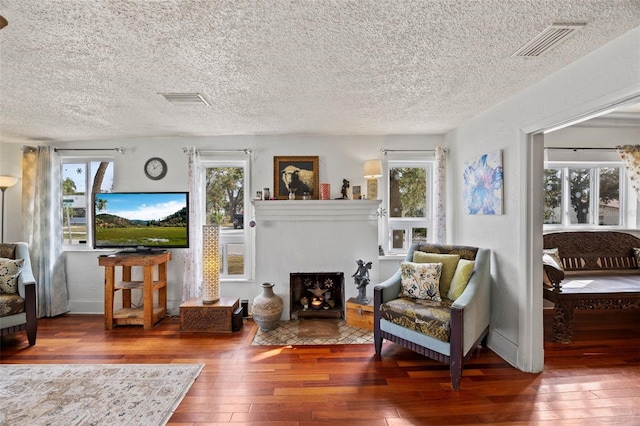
{"type": "Point", "coordinates": [185, 99]}
{"type": "Point", "coordinates": [548, 39]}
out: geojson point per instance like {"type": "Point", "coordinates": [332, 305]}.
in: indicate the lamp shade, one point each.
{"type": "Point", "coordinates": [7, 181]}
{"type": "Point", "coordinates": [372, 169]}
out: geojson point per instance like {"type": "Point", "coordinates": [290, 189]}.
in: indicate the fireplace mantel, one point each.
{"type": "Point", "coordinates": [317, 210]}
{"type": "Point", "coordinates": [314, 236]}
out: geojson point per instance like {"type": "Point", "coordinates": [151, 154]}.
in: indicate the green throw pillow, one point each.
{"type": "Point", "coordinates": [460, 278]}
{"type": "Point", "coordinates": [421, 280]}
{"type": "Point", "coordinates": [9, 271]}
{"type": "Point", "coordinates": [449, 263]}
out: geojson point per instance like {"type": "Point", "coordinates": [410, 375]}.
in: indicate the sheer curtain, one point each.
{"type": "Point", "coordinates": [439, 196]}
{"type": "Point", "coordinates": [630, 156]}
{"type": "Point", "coordinates": [192, 276]}
{"type": "Point", "coordinates": [41, 224]}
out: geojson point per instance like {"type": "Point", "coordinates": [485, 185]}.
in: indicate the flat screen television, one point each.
{"type": "Point", "coordinates": [141, 221]}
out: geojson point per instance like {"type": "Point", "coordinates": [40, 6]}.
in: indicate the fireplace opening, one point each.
{"type": "Point", "coordinates": [316, 295]}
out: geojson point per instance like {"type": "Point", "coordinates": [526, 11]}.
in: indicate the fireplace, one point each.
{"type": "Point", "coordinates": [316, 295]}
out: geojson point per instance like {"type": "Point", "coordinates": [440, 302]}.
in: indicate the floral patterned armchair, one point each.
{"type": "Point", "coordinates": [437, 304]}
{"type": "Point", "coordinates": [17, 291]}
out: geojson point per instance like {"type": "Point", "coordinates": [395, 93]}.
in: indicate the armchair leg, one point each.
{"type": "Point", "coordinates": [32, 319]}
{"type": "Point", "coordinates": [377, 341]}
{"type": "Point", "coordinates": [456, 375]}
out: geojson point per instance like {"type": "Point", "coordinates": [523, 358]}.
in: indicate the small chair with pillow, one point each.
{"type": "Point", "coordinates": [17, 291]}
{"type": "Point", "coordinates": [437, 304]}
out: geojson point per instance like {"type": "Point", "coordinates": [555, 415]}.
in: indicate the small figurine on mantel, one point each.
{"type": "Point", "coordinates": [345, 188]}
{"type": "Point", "coordinates": [361, 279]}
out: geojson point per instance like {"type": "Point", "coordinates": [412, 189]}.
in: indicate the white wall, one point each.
{"type": "Point", "coordinates": [609, 74]}
{"type": "Point", "coordinates": [11, 165]}
{"type": "Point", "coordinates": [339, 157]}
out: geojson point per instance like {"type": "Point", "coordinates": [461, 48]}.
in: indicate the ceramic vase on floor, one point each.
{"type": "Point", "coordinates": [267, 308]}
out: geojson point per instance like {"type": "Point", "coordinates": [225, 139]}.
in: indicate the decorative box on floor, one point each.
{"type": "Point", "coordinates": [216, 317]}
{"type": "Point", "coordinates": [360, 315]}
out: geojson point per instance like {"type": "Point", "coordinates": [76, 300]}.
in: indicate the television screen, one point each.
{"type": "Point", "coordinates": [141, 220]}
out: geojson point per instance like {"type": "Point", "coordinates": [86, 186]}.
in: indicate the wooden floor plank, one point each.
{"type": "Point", "coordinates": [593, 380]}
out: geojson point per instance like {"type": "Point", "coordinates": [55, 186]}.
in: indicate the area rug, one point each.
{"type": "Point", "coordinates": [318, 329]}
{"type": "Point", "coordinates": [287, 334]}
{"type": "Point", "coordinates": [95, 394]}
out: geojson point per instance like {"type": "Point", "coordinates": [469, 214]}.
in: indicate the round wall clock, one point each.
{"type": "Point", "coordinates": [155, 168]}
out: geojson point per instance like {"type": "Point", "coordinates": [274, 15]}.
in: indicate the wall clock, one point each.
{"type": "Point", "coordinates": [155, 168]}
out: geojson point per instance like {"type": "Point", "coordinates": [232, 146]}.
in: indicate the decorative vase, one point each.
{"type": "Point", "coordinates": [267, 308]}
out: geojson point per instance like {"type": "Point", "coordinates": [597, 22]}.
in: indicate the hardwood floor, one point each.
{"type": "Point", "coordinates": [594, 380]}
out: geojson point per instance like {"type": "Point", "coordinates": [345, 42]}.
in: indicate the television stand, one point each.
{"type": "Point", "coordinates": [148, 314]}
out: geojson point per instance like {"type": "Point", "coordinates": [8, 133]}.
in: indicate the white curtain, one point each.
{"type": "Point", "coordinates": [192, 277]}
{"type": "Point", "coordinates": [439, 196]}
{"type": "Point", "coordinates": [41, 224]}
{"type": "Point", "coordinates": [630, 156]}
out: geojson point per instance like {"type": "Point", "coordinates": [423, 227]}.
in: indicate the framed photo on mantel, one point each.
{"type": "Point", "coordinates": [298, 174]}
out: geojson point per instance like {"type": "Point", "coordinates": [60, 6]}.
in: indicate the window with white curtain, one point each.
{"type": "Point", "coordinates": [408, 203]}
{"type": "Point", "coordinates": [584, 194]}
{"type": "Point", "coordinates": [227, 199]}
{"type": "Point", "coordinates": [79, 174]}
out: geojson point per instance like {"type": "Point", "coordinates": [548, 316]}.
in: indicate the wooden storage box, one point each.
{"type": "Point", "coordinates": [217, 317]}
{"type": "Point", "coordinates": [359, 315]}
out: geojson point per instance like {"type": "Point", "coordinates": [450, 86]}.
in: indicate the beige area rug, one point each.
{"type": "Point", "coordinates": [93, 394]}
{"type": "Point", "coordinates": [287, 333]}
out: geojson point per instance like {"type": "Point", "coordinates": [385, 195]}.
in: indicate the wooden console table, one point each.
{"type": "Point", "coordinates": [149, 314]}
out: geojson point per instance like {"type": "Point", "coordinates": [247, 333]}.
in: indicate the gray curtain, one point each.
{"type": "Point", "coordinates": [440, 195]}
{"type": "Point", "coordinates": [630, 156]}
{"type": "Point", "coordinates": [192, 276]}
{"type": "Point", "coordinates": [41, 225]}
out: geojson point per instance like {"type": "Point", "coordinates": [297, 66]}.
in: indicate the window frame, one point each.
{"type": "Point", "coordinates": [88, 182]}
{"type": "Point", "coordinates": [625, 216]}
{"type": "Point", "coordinates": [248, 237]}
{"type": "Point", "coordinates": [407, 224]}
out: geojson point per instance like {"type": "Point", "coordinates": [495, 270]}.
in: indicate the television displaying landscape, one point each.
{"type": "Point", "coordinates": [141, 220]}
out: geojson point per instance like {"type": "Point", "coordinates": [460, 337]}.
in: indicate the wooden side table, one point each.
{"type": "Point", "coordinates": [359, 315]}
{"type": "Point", "coordinates": [149, 314]}
{"type": "Point", "coordinates": [217, 317]}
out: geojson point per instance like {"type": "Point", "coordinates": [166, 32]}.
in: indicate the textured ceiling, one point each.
{"type": "Point", "coordinates": [93, 69]}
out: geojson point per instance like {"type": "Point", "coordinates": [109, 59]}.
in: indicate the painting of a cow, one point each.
{"type": "Point", "coordinates": [295, 173]}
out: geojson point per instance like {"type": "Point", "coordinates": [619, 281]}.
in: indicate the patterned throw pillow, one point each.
{"type": "Point", "coordinates": [460, 278]}
{"type": "Point", "coordinates": [449, 263]}
{"type": "Point", "coordinates": [9, 271]}
{"type": "Point", "coordinates": [636, 253]}
{"type": "Point", "coordinates": [555, 255]}
{"type": "Point", "coordinates": [421, 280]}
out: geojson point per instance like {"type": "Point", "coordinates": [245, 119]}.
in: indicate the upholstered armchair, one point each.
{"type": "Point", "coordinates": [18, 309]}
{"type": "Point", "coordinates": [447, 330]}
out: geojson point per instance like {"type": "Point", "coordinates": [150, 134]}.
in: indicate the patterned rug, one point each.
{"type": "Point", "coordinates": [81, 394]}
{"type": "Point", "coordinates": [287, 334]}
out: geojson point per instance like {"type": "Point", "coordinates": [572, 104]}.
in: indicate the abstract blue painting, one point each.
{"type": "Point", "coordinates": [483, 182]}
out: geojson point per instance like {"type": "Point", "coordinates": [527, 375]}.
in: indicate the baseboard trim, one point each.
{"type": "Point", "coordinates": [503, 347]}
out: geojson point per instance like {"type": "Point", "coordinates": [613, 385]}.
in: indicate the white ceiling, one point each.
{"type": "Point", "coordinates": [93, 69]}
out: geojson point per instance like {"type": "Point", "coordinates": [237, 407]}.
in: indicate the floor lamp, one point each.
{"type": "Point", "coordinates": [5, 182]}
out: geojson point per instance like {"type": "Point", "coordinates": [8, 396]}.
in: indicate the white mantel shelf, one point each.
{"type": "Point", "coordinates": [316, 210]}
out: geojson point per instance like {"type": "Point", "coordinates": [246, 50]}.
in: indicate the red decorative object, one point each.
{"type": "Point", "coordinates": [325, 191]}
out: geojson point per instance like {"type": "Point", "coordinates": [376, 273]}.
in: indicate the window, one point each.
{"type": "Point", "coordinates": [584, 194]}
{"type": "Point", "coordinates": [79, 178]}
{"type": "Point", "coordinates": [226, 201]}
{"type": "Point", "coordinates": [408, 204]}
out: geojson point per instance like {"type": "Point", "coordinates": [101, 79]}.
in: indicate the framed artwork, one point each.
{"type": "Point", "coordinates": [295, 173]}
{"type": "Point", "coordinates": [483, 184]}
